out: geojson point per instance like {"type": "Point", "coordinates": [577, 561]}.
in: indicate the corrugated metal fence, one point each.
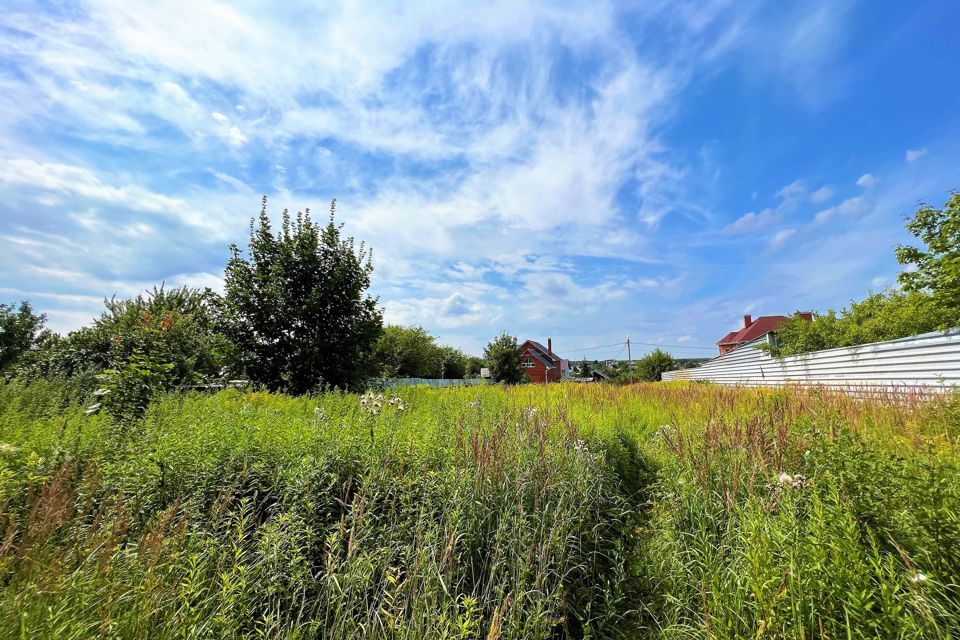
{"type": "Point", "coordinates": [928, 362]}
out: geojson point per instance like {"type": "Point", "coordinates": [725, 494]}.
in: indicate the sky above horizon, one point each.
{"type": "Point", "coordinates": [581, 172]}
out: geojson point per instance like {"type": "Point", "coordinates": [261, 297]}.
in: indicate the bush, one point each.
{"type": "Point", "coordinates": [650, 367]}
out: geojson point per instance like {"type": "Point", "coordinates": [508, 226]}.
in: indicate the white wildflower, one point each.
{"type": "Point", "coordinates": [785, 478]}
{"type": "Point", "coordinates": [919, 577]}
{"type": "Point", "coordinates": [7, 448]}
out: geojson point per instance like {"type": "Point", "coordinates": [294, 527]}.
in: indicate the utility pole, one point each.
{"type": "Point", "coordinates": [629, 359]}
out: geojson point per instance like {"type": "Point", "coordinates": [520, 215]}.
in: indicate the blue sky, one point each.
{"type": "Point", "coordinates": [578, 171]}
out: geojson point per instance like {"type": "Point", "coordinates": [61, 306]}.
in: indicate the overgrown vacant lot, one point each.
{"type": "Point", "coordinates": [530, 512]}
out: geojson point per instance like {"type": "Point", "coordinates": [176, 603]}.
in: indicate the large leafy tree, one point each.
{"type": "Point", "coordinates": [297, 306]}
{"type": "Point", "coordinates": [21, 330]}
{"type": "Point", "coordinates": [503, 357]}
{"type": "Point", "coordinates": [935, 268]}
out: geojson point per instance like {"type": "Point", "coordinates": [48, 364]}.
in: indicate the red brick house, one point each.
{"type": "Point", "coordinates": [539, 362]}
{"type": "Point", "coordinates": [753, 329]}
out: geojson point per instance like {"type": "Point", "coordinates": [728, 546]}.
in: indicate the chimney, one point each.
{"type": "Point", "coordinates": [806, 315]}
{"type": "Point", "coordinates": [747, 320]}
{"type": "Point", "coordinates": [550, 345]}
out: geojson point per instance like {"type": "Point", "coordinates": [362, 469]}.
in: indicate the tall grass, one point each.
{"type": "Point", "coordinates": [533, 512]}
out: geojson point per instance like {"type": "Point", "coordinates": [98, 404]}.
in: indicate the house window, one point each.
{"type": "Point", "coordinates": [527, 364]}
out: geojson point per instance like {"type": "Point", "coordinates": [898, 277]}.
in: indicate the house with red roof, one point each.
{"type": "Point", "coordinates": [753, 329]}
{"type": "Point", "coordinates": [540, 363]}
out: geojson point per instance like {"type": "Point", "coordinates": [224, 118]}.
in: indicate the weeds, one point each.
{"type": "Point", "coordinates": [567, 511]}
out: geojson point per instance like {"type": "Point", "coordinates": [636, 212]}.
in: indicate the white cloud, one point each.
{"type": "Point", "coordinates": [780, 238]}
{"type": "Point", "coordinates": [855, 207]}
{"type": "Point", "coordinates": [486, 156]}
{"type": "Point", "coordinates": [867, 181]}
{"type": "Point", "coordinates": [752, 221]}
{"type": "Point", "coordinates": [821, 195]}
{"type": "Point", "coordinates": [912, 155]}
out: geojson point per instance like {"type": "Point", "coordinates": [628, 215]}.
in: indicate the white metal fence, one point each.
{"type": "Point", "coordinates": [434, 382]}
{"type": "Point", "coordinates": [928, 362]}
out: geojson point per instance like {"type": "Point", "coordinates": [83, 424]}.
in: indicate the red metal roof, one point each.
{"type": "Point", "coordinates": [760, 327]}
{"type": "Point", "coordinates": [727, 339]}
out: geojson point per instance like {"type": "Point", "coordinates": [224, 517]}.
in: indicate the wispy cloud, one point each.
{"type": "Point", "coordinates": [912, 155]}
{"type": "Point", "coordinates": [857, 206]}
{"type": "Point", "coordinates": [780, 238]}
{"type": "Point", "coordinates": [867, 181]}
{"type": "Point", "coordinates": [821, 195]}
{"type": "Point", "coordinates": [518, 163]}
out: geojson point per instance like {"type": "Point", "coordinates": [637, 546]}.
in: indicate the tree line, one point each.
{"type": "Point", "coordinates": [295, 316]}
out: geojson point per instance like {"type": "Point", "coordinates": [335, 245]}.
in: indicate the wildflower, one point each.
{"type": "Point", "coordinates": [320, 414]}
{"type": "Point", "coordinates": [372, 402]}
{"type": "Point", "coordinates": [919, 577]}
{"type": "Point", "coordinates": [797, 481]}
{"type": "Point", "coordinates": [7, 448]}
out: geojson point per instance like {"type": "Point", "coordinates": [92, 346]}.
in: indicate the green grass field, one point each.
{"type": "Point", "coordinates": [531, 512]}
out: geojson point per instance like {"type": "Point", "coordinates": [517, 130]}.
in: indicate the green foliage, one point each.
{"type": "Point", "coordinates": [585, 369]}
{"type": "Point", "coordinates": [937, 268]}
{"type": "Point", "coordinates": [126, 392]}
{"type": "Point", "coordinates": [175, 326]}
{"type": "Point", "coordinates": [474, 364]}
{"type": "Point", "coordinates": [534, 511]}
{"type": "Point", "coordinates": [297, 307]}
{"type": "Point", "coordinates": [929, 301]}
{"type": "Point", "coordinates": [880, 316]}
{"type": "Point", "coordinates": [650, 367]}
{"type": "Point", "coordinates": [20, 331]}
{"type": "Point", "coordinates": [503, 357]}
{"type": "Point", "coordinates": [411, 352]}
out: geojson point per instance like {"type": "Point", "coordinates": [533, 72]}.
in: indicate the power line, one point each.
{"type": "Point", "coordinates": [645, 344]}
{"type": "Point", "coordinates": [673, 346]}
{"type": "Point", "coordinates": [603, 346]}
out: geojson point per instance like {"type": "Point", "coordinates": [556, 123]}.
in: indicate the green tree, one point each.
{"type": "Point", "coordinates": [503, 357]}
{"type": "Point", "coordinates": [453, 363]}
{"type": "Point", "coordinates": [585, 370]}
{"type": "Point", "coordinates": [936, 267]}
{"type": "Point", "coordinates": [474, 364]}
{"type": "Point", "coordinates": [21, 330]}
{"type": "Point", "coordinates": [651, 366]}
{"type": "Point", "coordinates": [297, 307]}
{"type": "Point", "coordinates": [406, 352]}
{"type": "Point", "coordinates": [886, 315]}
